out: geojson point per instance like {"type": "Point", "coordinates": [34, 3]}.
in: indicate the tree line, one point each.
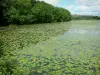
{"type": "Point", "coordinates": [30, 12]}
{"type": "Point", "coordinates": [85, 17]}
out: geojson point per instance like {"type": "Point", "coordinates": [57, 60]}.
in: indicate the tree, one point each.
{"type": "Point", "coordinates": [43, 12]}
{"type": "Point", "coordinates": [4, 15]}
{"type": "Point", "coordinates": [33, 2]}
{"type": "Point", "coordinates": [31, 11]}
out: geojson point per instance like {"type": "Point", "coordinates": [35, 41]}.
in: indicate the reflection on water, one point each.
{"type": "Point", "coordinates": [87, 29]}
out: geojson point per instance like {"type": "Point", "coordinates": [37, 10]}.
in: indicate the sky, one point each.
{"type": "Point", "coordinates": [79, 7]}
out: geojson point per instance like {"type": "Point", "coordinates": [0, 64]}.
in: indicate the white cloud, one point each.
{"type": "Point", "coordinates": [87, 2]}
{"type": "Point", "coordinates": [87, 13]}
{"type": "Point", "coordinates": [53, 2]}
{"type": "Point", "coordinates": [85, 7]}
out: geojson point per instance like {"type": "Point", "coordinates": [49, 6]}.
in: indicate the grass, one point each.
{"type": "Point", "coordinates": [67, 48]}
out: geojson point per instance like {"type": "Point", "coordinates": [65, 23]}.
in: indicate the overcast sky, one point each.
{"type": "Point", "coordinates": [81, 7]}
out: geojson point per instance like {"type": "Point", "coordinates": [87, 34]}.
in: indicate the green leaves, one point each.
{"type": "Point", "coordinates": [47, 13]}
{"type": "Point", "coordinates": [31, 11]}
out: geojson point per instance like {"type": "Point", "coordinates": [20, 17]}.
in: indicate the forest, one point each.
{"type": "Point", "coordinates": [31, 11]}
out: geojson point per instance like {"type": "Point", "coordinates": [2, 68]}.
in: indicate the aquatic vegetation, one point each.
{"type": "Point", "coordinates": [43, 51]}
{"type": "Point", "coordinates": [22, 36]}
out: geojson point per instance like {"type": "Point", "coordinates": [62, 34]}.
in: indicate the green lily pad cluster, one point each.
{"type": "Point", "coordinates": [67, 48]}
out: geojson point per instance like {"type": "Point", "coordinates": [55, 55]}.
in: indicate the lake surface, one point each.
{"type": "Point", "coordinates": [63, 48]}
{"type": "Point", "coordinates": [76, 52]}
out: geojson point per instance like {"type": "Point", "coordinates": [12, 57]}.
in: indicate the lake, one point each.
{"type": "Point", "coordinates": [76, 52]}
{"type": "Point", "coordinates": [72, 48]}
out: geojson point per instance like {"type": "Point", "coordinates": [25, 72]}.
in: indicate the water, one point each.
{"type": "Point", "coordinates": [76, 52]}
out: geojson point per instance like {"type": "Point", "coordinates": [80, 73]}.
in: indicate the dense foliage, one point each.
{"type": "Point", "coordinates": [4, 6]}
{"type": "Point", "coordinates": [31, 11]}
{"type": "Point", "coordinates": [85, 17]}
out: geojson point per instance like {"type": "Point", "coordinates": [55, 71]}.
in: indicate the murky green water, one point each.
{"type": "Point", "coordinates": [76, 52]}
